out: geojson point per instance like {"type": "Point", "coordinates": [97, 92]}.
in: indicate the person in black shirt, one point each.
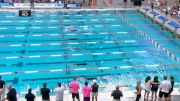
{"type": "Point", "coordinates": [45, 93]}
{"type": "Point", "coordinates": [29, 96]}
{"type": "Point", "coordinates": [172, 85]}
{"type": "Point", "coordinates": [2, 89]}
{"type": "Point", "coordinates": [154, 87]}
{"type": "Point", "coordinates": [11, 95]}
{"type": "Point", "coordinates": [152, 6]}
{"type": "Point", "coordinates": [117, 94]}
{"type": "Point", "coordinates": [94, 87]}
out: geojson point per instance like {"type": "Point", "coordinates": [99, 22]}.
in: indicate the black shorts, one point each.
{"type": "Point", "coordinates": [75, 95]}
{"type": "Point", "coordinates": [161, 94]}
{"type": "Point", "coordinates": [125, 1]}
{"type": "Point", "coordinates": [154, 89]}
{"type": "Point", "coordinates": [86, 98]}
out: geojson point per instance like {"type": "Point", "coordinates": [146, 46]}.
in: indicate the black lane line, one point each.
{"type": "Point", "coordinates": [69, 77]}
{"type": "Point", "coordinates": [76, 62]}
{"type": "Point", "coordinates": [71, 39]}
{"type": "Point", "coordinates": [79, 49]}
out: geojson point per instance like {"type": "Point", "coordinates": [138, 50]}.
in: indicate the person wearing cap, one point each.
{"type": "Point", "coordinates": [29, 96]}
{"type": "Point", "coordinates": [94, 87]}
{"type": "Point", "coordinates": [138, 92]}
{"type": "Point", "coordinates": [117, 94]}
{"type": "Point", "coordinates": [59, 92]}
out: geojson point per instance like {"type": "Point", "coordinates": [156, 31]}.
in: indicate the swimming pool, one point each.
{"type": "Point", "coordinates": [114, 46]}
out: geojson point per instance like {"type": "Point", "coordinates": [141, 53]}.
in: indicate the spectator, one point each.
{"type": "Point", "coordinates": [172, 85]}
{"type": "Point", "coordinates": [149, 1]}
{"type": "Point", "coordinates": [74, 87]}
{"type": "Point", "coordinates": [56, 1]}
{"type": "Point", "coordinates": [45, 92]}
{"type": "Point", "coordinates": [147, 87]}
{"type": "Point", "coordinates": [163, 4]}
{"type": "Point", "coordinates": [174, 10]}
{"type": "Point", "coordinates": [138, 88]}
{"type": "Point", "coordinates": [152, 6]}
{"type": "Point", "coordinates": [2, 89]}
{"type": "Point", "coordinates": [29, 96]}
{"type": "Point", "coordinates": [32, 4]}
{"type": "Point", "coordinates": [165, 87]}
{"type": "Point", "coordinates": [154, 88]}
{"type": "Point", "coordinates": [90, 2]}
{"type": "Point", "coordinates": [1, 1]}
{"type": "Point", "coordinates": [86, 92]}
{"type": "Point", "coordinates": [125, 3]}
{"type": "Point", "coordinates": [94, 87]}
{"type": "Point", "coordinates": [11, 95]}
{"type": "Point", "coordinates": [156, 3]}
{"type": "Point", "coordinates": [117, 94]}
{"type": "Point", "coordinates": [59, 92]}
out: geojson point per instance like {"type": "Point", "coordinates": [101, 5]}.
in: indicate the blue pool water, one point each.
{"type": "Point", "coordinates": [55, 46]}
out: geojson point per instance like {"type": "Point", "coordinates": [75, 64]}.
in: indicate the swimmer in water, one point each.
{"type": "Point", "coordinates": [73, 30]}
{"type": "Point", "coordinates": [73, 39]}
{"type": "Point", "coordinates": [73, 49]}
{"type": "Point", "coordinates": [80, 64]}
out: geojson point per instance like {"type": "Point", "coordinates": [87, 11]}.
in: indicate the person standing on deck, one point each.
{"type": "Point", "coordinates": [45, 92]}
{"type": "Point", "coordinates": [154, 88]}
{"type": "Point", "coordinates": [95, 88]}
{"type": "Point", "coordinates": [172, 86]}
{"type": "Point", "coordinates": [29, 96]}
{"type": "Point", "coordinates": [165, 87]}
{"type": "Point", "coordinates": [74, 87]}
{"type": "Point", "coordinates": [147, 88]}
{"type": "Point", "coordinates": [59, 92]}
{"type": "Point", "coordinates": [2, 89]}
{"type": "Point", "coordinates": [117, 94]}
{"type": "Point", "coordinates": [32, 4]}
{"type": "Point", "coordinates": [138, 92]}
{"type": "Point", "coordinates": [11, 95]}
{"type": "Point", "coordinates": [86, 91]}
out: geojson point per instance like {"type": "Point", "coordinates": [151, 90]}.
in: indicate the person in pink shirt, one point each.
{"type": "Point", "coordinates": [74, 87]}
{"type": "Point", "coordinates": [86, 92]}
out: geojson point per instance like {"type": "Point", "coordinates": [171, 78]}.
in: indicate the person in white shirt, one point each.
{"type": "Point", "coordinates": [165, 88]}
{"type": "Point", "coordinates": [59, 92]}
{"type": "Point", "coordinates": [147, 87]}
